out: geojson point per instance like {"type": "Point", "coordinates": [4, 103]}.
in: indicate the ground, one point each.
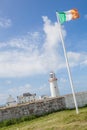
{"type": "Point", "coordinates": [63, 120]}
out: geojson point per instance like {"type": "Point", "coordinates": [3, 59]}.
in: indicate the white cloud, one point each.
{"type": "Point", "coordinates": [76, 59]}
{"type": "Point", "coordinates": [52, 34]}
{"type": "Point", "coordinates": [15, 91]}
{"type": "Point", "coordinates": [3, 97]}
{"type": "Point", "coordinates": [84, 62]}
{"type": "Point", "coordinates": [5, 23]}
{"type": "Point", "coordinates": [63, 80]}
{"type": "Point", "coordinates": [19, 90]}
{"type": "Point", "coordinates": [8, 82]}
{"type": "Point", "coordinates": [28, 42]}
{"type": "Point", "coordinates": [85, 16]}
{"type": "Point", "coordinates": [36, 53]}
{"type": "Point", "coordinates": [43, 88]}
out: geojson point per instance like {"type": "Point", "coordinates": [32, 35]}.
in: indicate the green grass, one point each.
{"type": "Point", "coordinates": [63, 120]}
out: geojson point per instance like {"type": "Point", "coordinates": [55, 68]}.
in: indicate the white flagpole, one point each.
{"type": "Point", "coordinates": [67, 64]}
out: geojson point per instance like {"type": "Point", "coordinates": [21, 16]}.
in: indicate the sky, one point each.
{"type": "Point", "coordinates": [30, 47]}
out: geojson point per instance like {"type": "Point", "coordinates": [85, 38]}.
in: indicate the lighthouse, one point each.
{"type": "Point", "coordinates": [53, 85]}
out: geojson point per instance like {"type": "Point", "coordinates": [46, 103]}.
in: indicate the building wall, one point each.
{"type": "Point", "coordinates": [25, 99]}
{"type": "Point", "coordinates": [43, 106]}
{"type": "Point", "coordinates": [81, 99]}
{"type": "Point", "coordinates": [36, 108]}
{"type": "Point", "coordinates": [11, 103]}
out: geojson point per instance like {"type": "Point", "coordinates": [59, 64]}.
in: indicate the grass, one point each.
{"type": "Point", "coordinates": [63, 120]}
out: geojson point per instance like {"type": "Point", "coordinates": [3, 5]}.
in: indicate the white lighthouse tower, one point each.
{"type": "Point", "coordinates": [53, 85]}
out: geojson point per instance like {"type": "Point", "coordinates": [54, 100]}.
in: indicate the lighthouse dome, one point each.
{"type": "Point", "coordinates": [52, 77]}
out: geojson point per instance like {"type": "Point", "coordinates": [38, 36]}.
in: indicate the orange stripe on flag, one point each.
{"type": "Point", "coordinates": [75, 14]}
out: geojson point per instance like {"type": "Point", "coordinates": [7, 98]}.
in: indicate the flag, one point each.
{"type": "Point", "coordinates": [68, 15]}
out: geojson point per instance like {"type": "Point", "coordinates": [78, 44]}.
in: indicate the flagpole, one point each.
{"type": "Point", "coordinates": [67, 64]}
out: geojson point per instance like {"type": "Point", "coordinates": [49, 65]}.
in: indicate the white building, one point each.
{"type": "Point", "coordinates": [26, 97]}
{"type": "Point", "coordinates": [43, 97]}
{"type": "Point", "coordinates": [81, 98]}
{"type": "Point", "coordinates": [53, 85]}
{"type": "Point", "coordinates": [11, 101]}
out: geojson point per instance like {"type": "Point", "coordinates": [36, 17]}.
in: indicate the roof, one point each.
{"type": "Point", "coordinates": [26, 94]}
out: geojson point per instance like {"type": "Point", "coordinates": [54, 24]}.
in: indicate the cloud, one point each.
{"type": "Point", "coordinates": [5, 23]}
{"type": "Point", "coordinates": [52, 34]}
{"type": "Point", "coordinates": [19, 90]}
{"type": "Point", "coordinates": [15, 91]}
{"type": "Point", "coordinates": [36, 53]}
{"type": "Point", "coordinates": [8, 82]}
{"type": "Point", "coordinates": [43, 90]}
{"type": "Point", "coordinates": [28, 42]}
{"type": "Point", "coordinates": [84, 62]}
{"type": "Point", "coordinates": [3, 97]}
{"type": "Point", "coordinates": [63, 80]}
{"type": "Point", "coordinates": [77, 59]}
{"type": "Point", "coordinates": [85, 16]}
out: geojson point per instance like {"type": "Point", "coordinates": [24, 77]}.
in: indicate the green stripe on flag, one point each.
{"type": "Point", "coordinates": [62, 17]}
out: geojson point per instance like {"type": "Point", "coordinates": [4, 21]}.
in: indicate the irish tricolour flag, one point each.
{"type": "Point", "coordinates": [68, 15]}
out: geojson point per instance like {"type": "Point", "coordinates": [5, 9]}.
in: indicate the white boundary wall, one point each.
{"type": "Point", "coordinates": [81, 99]}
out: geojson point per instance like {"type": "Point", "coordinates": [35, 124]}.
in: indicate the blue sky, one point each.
{"type": "Point", "coordinates": [30, 47]}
